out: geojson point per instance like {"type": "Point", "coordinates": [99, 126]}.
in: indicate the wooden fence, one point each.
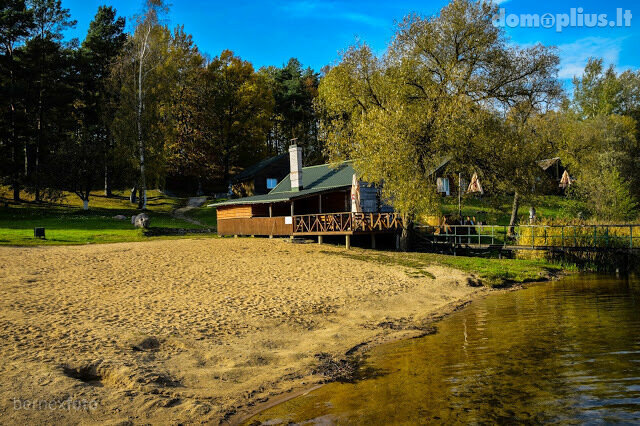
{"type": "Point", "coordinates": [537, 237]}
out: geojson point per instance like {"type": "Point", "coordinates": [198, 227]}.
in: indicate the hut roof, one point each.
{"type": "Point", "coordinates": [315, 179]}
{"type": "Point", "coordinates": [545, 164]}
{"type": "Point", "coordinates": [253, 170]}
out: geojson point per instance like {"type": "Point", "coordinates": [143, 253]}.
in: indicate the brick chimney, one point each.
{"type": "Point", "coordinates": [295, 165]}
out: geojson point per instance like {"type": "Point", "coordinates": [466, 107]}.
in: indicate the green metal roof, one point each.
{"type": "Point", "coordinates": [315, 179]}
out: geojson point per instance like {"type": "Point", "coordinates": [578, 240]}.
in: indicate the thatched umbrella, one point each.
{"type": "Point", "coordinates": [474, 185]}
{"type": "Point", "coordinates": [566, 180]}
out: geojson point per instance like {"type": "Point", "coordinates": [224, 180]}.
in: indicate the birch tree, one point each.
{"type": "Point", "coordinates": [143, 91]}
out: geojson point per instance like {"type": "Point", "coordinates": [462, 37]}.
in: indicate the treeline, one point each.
{"type": "Point", "coordinates": [136, 109]}
{"type": "Point", "coordinates": [145, 108]}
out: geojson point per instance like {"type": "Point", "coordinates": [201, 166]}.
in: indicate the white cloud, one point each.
{"type": "Point", "coordinates": [574, 55]}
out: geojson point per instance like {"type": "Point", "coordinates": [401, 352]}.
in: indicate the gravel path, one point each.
{"type": "Point", "coordinates": [192, 203]}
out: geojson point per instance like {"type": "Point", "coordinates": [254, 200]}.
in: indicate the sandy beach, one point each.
{"type": "Point", "coordinates": [192, 331]}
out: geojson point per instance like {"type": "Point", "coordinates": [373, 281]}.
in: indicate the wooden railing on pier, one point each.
{"type": "Point", "coordinates": [345, 223]}
{"type": "Point", "coordinates": [533, 237]}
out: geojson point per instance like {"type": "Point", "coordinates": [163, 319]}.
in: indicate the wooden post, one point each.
{"type": "Point", "coordinates": [320, 203]}
{"type": "Point", "coordinates": [319, 239]}
{"type": "Point", "coordinates": [397, 241]}
{"type": "Point", "coordinates": [271, 215]}
{"type": "Point", "coordinates": [373, 241]}
{"type": "Point", "coordinates": [533, 237]}
{"type": "Point", "coordinates": [347, 241]}
{"type": "Point", "coordinates": [460, 195]}
{"type": "Point", "coordinates": [292, 202]}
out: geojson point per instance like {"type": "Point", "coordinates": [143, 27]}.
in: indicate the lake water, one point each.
{"type": "Point", "coordinates": [566, 351]}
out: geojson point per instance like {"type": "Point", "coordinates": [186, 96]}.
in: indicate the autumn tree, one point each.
{"type": "Point", "coordinates": [428, 97]}
{"type": "Point", "coordinates": [188, 154]}
{"type": "Point", "coordinates": [236, 107]}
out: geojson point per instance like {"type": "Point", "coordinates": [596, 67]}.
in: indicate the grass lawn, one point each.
{"type": "Point", "coordinates": [490, 272]}
{"type": "Point", "coordinates": [205, 215]}
{"type": "Point", "coordinates": [498, 211]}
{"type": "Point", "coordinates": [65, 221]}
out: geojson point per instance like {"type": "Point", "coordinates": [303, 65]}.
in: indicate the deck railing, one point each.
{"type": "Point", "coordinates": [535, 236]}
{"type": "Point", "coordinates": [345, 223]}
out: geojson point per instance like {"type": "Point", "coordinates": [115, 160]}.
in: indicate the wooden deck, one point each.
{"type": "Point", "coordinates": [346, 223]}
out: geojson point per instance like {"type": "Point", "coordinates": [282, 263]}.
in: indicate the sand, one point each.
{"type": "Point", "coordinates": [192, 330]}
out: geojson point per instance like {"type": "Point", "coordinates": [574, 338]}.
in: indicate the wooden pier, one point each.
{"type": "Point", "coordinates": [530, 237]}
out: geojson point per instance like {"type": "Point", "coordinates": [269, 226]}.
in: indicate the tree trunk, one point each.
{"type": "Point", "coordinates": [15, 180]}
{"type": "Point", "coordinates": [132, 197]}
{"type": "Point", "coordinates": [107, 181]}
{"type": "Point", "coordinates": [407, 225]}
{"type": "Point", "coordinates": [514, 213]}
{"type": "Point", "coordinates": [107, 173]}
{"type": "Point", "coordinates": [36, 170]}
{"type": "Point", "coordinates": [142, 199]}
{"type": "Point", "coordinates": [142, 203]}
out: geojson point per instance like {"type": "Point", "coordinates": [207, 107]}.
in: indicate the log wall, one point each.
{"type": "Point", "coordinates": [234, 212]}
{"type": "Point", "coordinates": [254, 226]}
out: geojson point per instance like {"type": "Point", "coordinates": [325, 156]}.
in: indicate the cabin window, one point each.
{"type": "Point", "coordinates": [272, 183]}
{"type": "Point", "coordinates": [443, 186]}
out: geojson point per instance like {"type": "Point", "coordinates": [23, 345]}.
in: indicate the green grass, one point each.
{"type": "Point", "coordinates": [65, 222]}
{"type": "Point", "coordinates": [490, 272]}
{"type": "Point", "coordinates": [205, 215]}
{"type": "Point", "coordinates": [497, 211]}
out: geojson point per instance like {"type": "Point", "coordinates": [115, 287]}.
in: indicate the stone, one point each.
{"type": "Point", "coordinates": [120, 217]}
{"type": "Point", "coordinates": [141, 221]}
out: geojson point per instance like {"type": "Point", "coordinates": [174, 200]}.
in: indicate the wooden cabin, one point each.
{"type": "Point", "coordinates": [321, 200]}
{"type": "Point", "coordinates": [548, 182]}
{"type": "Point", "coordinates": [260, 178]}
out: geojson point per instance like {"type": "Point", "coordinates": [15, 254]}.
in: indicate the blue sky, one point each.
{"type": "Point", "coordinates": [269, 32]}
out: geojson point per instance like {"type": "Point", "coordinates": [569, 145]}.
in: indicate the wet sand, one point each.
{"type": "Point", "coordinates": [192, 331]}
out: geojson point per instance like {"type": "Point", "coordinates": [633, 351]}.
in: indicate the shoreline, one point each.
{"type": "Point", "coordinates": [362, 349]}
{"type": "Point", "coordinates": [297, 391]}
{"type": "Point", "coordinates": [204, 330]}
{"type": "Point", "coordinates": [244, 415]}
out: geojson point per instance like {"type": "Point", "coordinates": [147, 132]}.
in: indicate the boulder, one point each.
{"type": "Point", "coordinates": [120, 217]}
{"type": "Point", "coordinates": [141, 221]}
